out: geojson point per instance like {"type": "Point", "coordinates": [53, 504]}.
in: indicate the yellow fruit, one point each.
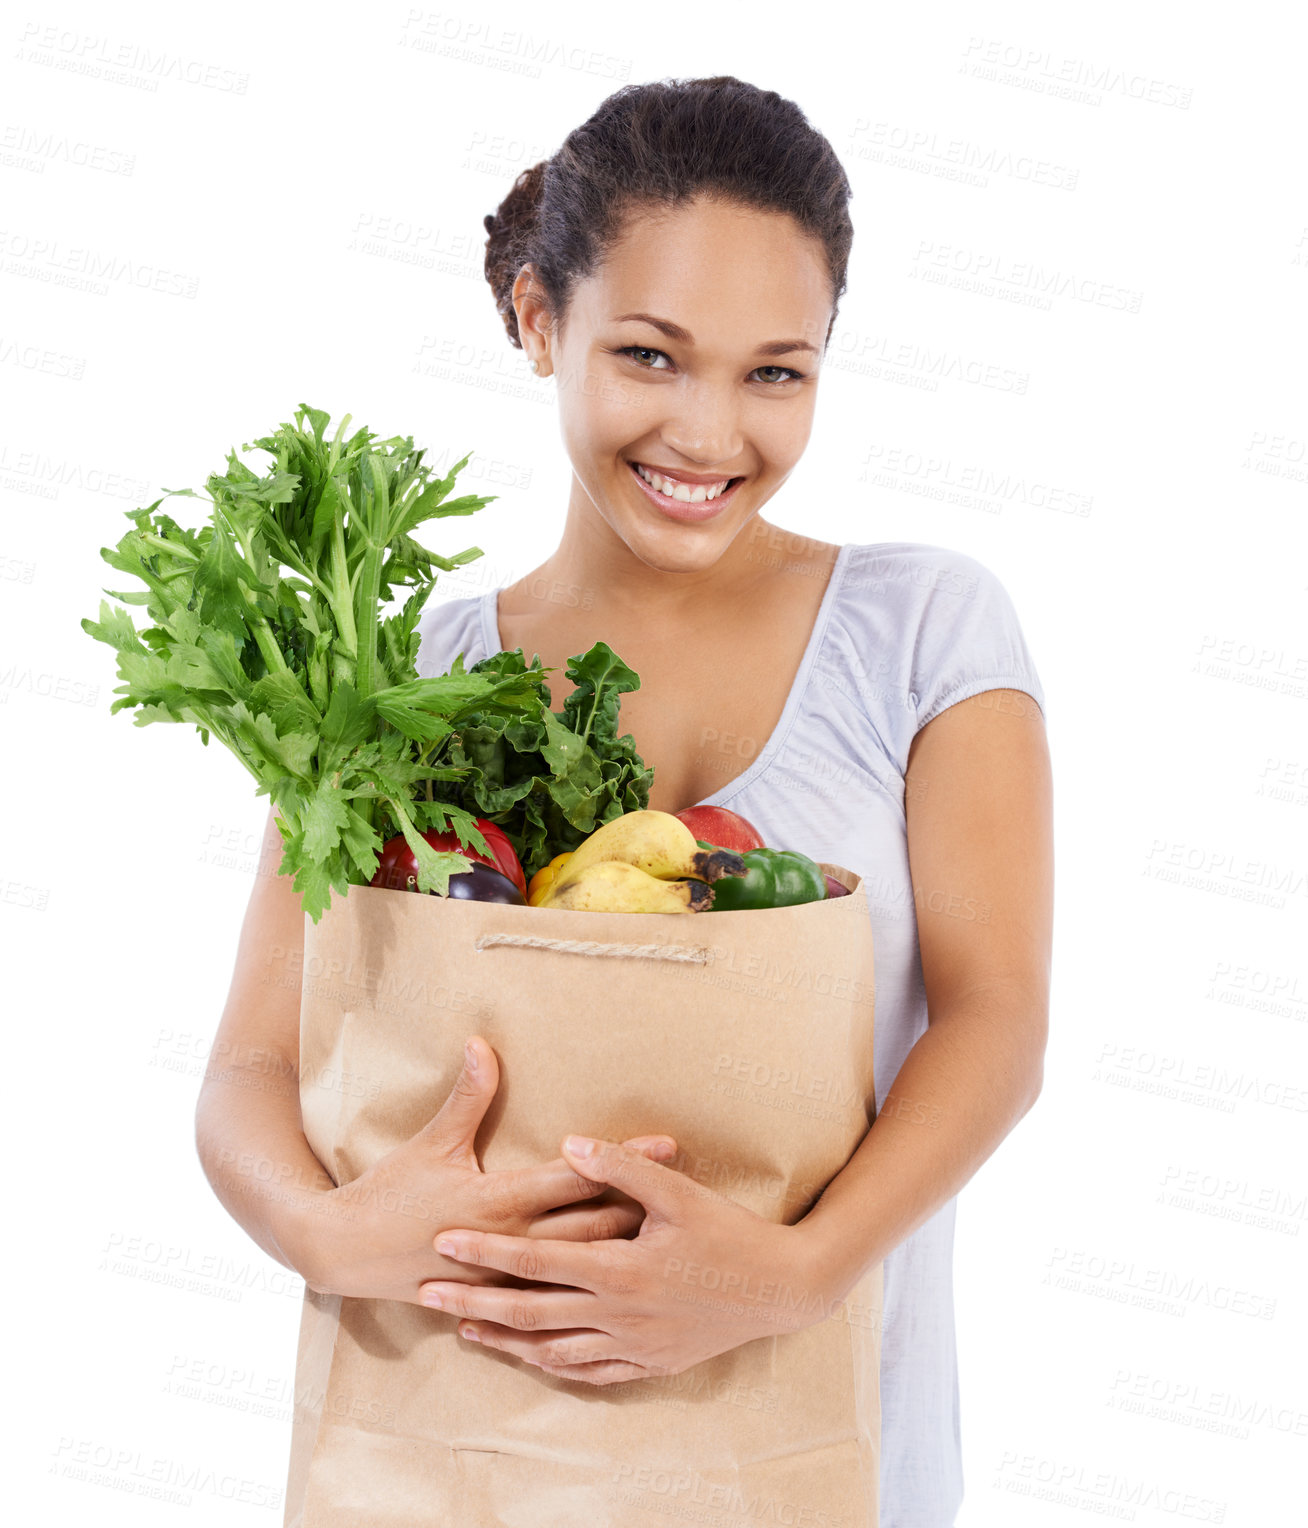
{"type": "Point", "coordinates": [614, 886]}
{"type": "Point", "coordinates": [544, 878]}
{"type": "Point", "coordinates": [656, 842]}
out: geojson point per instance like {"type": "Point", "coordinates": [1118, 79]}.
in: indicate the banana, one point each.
{"type": "Point", "coordinates": [657, 843]}
{"type": "Point", "coordinates": [614, 886]}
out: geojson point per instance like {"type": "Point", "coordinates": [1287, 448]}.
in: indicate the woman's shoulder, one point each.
{"type": "Point", "coordinates": [913, 568]}
{"type": "Point", "coordinates": [920, 626]}
{"type": "Point", "coordinates": [448, 627]}
{"type": "Point", "coordinates": [908, 587]}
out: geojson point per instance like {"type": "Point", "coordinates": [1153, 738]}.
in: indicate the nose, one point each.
{"type": "Point", "coordinates": [703, 427]}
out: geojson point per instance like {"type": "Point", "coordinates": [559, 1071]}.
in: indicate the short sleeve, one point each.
{"type": "Point", "coordinates": [445, 629]}
{"type": "Point", "coordinates": [969, 640]}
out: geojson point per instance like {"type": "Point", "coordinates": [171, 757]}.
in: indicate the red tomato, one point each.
{"type": "Point", "coordinates": [398, 870]}
{"type": "Point", "coordinates": [726, 830]}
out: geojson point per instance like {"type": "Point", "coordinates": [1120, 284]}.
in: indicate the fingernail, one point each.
{"type": "Point", "coordinates": [469, 1333]}
{"type": "Point", "coordinates": [434, 1300]}
{"type": "Point", "coordinates": [580, 1145]}
{"type": "Point", "coordinates": [446, 1247]}
{"type": "Point", "coordinates": [663, 1151]}
{"type": "Point", "coordinates": [471, 1056]}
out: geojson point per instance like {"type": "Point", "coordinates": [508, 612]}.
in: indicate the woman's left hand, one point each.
{"type": "Point", "coordinates": [703, 1275]}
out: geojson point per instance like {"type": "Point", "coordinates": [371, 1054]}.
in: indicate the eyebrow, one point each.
{"type": "Point", "coordinates": [684, 337]}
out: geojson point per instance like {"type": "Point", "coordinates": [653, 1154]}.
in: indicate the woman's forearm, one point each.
{"type": "Point", "coordinates": [250, 1139]}
{"type": "Point", "coordinates": [966, 1082]}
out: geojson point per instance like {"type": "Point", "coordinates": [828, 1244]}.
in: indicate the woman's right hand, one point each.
{"type": "Point", "coordinates": [374, 1237]}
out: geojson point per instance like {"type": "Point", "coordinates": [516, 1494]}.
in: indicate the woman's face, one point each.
{"type": "Point", "coordinates": [730, 395]}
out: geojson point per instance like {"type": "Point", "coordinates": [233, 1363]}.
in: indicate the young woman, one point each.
{"type": "Point", "coordinates": [676, 269]}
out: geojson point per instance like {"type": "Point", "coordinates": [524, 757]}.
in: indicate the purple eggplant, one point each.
{"type": "Point", "coordinates": [483, 884]}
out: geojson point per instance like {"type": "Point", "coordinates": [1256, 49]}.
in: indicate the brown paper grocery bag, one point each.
{"type": "Point", "coordinates": [745, 1035]}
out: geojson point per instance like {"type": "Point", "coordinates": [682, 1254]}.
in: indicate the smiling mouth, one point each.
{"type": "Point", "coordinates": [680, 491]}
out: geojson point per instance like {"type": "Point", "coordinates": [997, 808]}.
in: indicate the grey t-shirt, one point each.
{"type": "Point", "coordinates": [905, 630]}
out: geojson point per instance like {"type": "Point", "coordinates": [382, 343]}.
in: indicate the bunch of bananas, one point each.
{"type": "Point", "coordinates": [641, 862]}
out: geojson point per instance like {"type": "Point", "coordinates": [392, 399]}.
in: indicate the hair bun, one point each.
{"type": "Point", "coordinates": [509, 231]}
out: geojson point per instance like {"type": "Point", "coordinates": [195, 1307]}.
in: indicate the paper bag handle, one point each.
{"type": "Point", "coordinates": [696, 953]}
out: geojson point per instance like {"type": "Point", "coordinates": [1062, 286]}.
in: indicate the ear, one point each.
{"type": "Point", "coordinates": [535, 328]}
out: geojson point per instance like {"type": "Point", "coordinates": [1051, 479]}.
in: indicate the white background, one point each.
{"type": "Point", "coordinates": [212, 214]}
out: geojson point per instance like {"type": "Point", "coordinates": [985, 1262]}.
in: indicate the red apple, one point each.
{"type": "Point", "coordinates": [724, 829]}
{"type": "Point", "coordinates": [835, 888]}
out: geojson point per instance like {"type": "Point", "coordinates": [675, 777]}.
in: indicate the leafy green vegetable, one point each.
{"type": "Point", "coordinates": [270, 635]}
{"type": "Point", "coordinates": [552, 779]}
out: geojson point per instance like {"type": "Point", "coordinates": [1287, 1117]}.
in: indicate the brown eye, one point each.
{"type": "Point", "coordinates": [639, 350]}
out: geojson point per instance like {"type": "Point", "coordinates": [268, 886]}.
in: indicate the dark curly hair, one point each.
{"type": "Point", "coordinates": [661, 144]}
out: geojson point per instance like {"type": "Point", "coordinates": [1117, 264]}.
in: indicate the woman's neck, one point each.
{"type": "Point", "coordinates": [591, 557]}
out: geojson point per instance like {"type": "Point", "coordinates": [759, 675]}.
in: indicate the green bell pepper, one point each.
{"type": "Point", "coordinates": [772, 878]}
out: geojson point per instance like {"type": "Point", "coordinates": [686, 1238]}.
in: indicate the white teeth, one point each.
{"type": "Point", "coordinates": [699, 494]}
